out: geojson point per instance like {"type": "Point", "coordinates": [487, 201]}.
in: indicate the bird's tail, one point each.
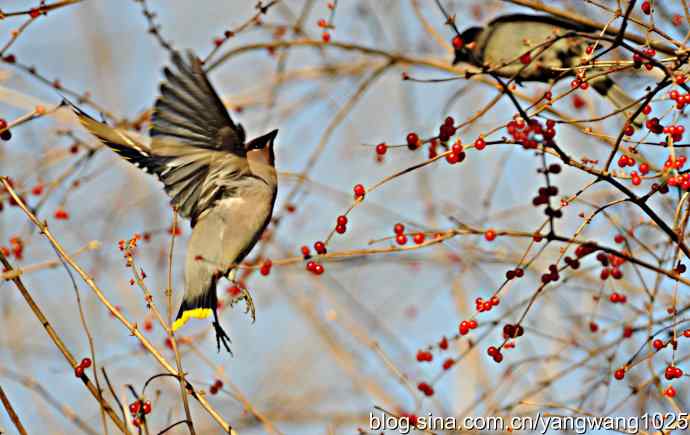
{"type": "Point", "coordinates": [120, 141]}
{"type": "Point", "coordinates": [201, 307]}
{"type": "Point", "coordinates": [618, 97]}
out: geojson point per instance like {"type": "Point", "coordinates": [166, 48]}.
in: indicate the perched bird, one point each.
{"type": "Point", "coordinates": [537, 48]}
{"type": "Point", "coordinates": [224, 184]}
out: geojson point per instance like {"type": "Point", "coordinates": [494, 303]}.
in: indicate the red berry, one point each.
{"type": "Point", "coordinates": [578, 102]}
{"type": "Point", "coordinates": [381, 149]}
{"type": "Point", "coordinates": [399, 228]}
{"type": "Point", "coordinates": [37, 189]}
{"type": "Point", "coordinates": [266, 267]}
{"type": "Point", "coordinates": [340, 229]}
{"type": "Point", "coordinates": [423, 355]}
{"type": "Point", "coordinates": [342, 220]}
{"type": "Point", "coordinates": [86, 363]}
{"type": "Point", "coordinates": [479, 144]}
{"type": "Point", "coordinates": [326, 37]}
{"type": "Point", "coordinates": [458, 42]}
{"type": "Point", "coordinates": [658, 344]}
{"type": "Point", "coordinates": [412, 141]}
{"type": "Point", "coordinates": [320, 247]}
{"type": "Point", "coordinates": [318, 269]}
{"type": "Point", "coordinates": [490, 235]}
{"type": "Point", "coordinates": [305, 251]}
{"type": "Point", "coordinates": [447, 364]}
{"type": "Point", "coordinates": [419, 238]}
{"type": "Point", "coordinates": [670, 392]}
{"type": "Point", "coordinates": [646, 7]}
{"type": "Point", "coordinates": [452, 158]}
{"type": "Point", "coordinates": [359, 191]}
{"type": "Point", "coordinates": [425, 388]}
{"type": "Point", "coordinates": [401, 239]}
{"type": "Point", "coordinates": [134, 407]}
{"type": "Point", "coordinates": [619, 374]}
{"type": "Point", "coordinates": [526, 58]}
{"type": "Point", "coordinates": [147, 407]}
{"type": "Point", "coordinates": [61, 214]}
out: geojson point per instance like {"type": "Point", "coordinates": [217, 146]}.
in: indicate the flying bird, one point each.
{"type": "Point", "coordinates": [537, 48]}
{"type": "Point", "coordinates": [223, 183]}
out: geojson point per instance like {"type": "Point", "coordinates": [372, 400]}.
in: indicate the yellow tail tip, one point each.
{"type": "Point", "coordinates": [197, 313]}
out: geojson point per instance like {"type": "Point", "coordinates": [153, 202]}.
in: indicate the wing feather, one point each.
{"type": "Point", "coordinates": [197, 151]}
{"type": "Point", "coordinates": [190, 113]}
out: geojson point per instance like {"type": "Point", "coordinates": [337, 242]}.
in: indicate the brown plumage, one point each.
{"type": "Point", "coordinates": [226, 186]}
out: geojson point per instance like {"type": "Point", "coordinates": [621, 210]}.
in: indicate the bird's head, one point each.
{"type": "Point", "coordinates": [260, 149]}
{"type": "Point", "coordinates": [261, 157]}
{"type": "Point", "coordinates": [464, 44]}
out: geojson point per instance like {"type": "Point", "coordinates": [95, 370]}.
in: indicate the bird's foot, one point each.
{"type": "Point", "coordinates": [249, 302]}
{"type": "Point", "coordinates": [222, 337]}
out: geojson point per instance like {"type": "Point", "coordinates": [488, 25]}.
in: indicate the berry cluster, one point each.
{"type": "Point", "coordinates": [217, 386]}
{"type": "Point", "coordinates": [512, 331]}
{"type": "Point", "coordinates": [16, 248]}
{"type": "Point", "coordinates": [139, 410]}
{"type": "Point", "coordinates": [341, 224]}
{"type": "Point", "coordinates": [466, 326]}
{"type": "Point", "coordinates": [83, 365]}
{"type": "Point", "coordinates": [482, 305]}
{"type": "Point", "coordinates": [400, 237]}
{"type": "Point", "coordinates": [610, 266]}
{"type": "Point", "coordinates": [313, 266]}
{"type": "Point", "coordinates": [531, 134]}
{"type": "Point", "coordinates": [424, 356]}
{"type": "Point", "coordinates": [552, 275]}
{"type": "Point", "coordinates": [617, 298]}
{"type": "Point", "coordinates": [639, 60]}
{"type": "Point", "coordinates": [673, 372]}
{"type": "Point", "coordinates": [495, 353]}
{"type": "Point", "coordinates": [447, 129]}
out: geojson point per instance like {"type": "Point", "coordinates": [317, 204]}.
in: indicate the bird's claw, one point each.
{"type": "Point", "coordinates": [247, 298]}
{"type": "Point", "coordinates": [222, 337]}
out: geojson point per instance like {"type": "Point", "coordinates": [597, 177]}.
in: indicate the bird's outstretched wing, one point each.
{"type": "Point", "coordinates": [192, 130]}
{"type": "Point", "coordinates": [188, 112]}
{"type": "Point", "coordinates": [196, 150]}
